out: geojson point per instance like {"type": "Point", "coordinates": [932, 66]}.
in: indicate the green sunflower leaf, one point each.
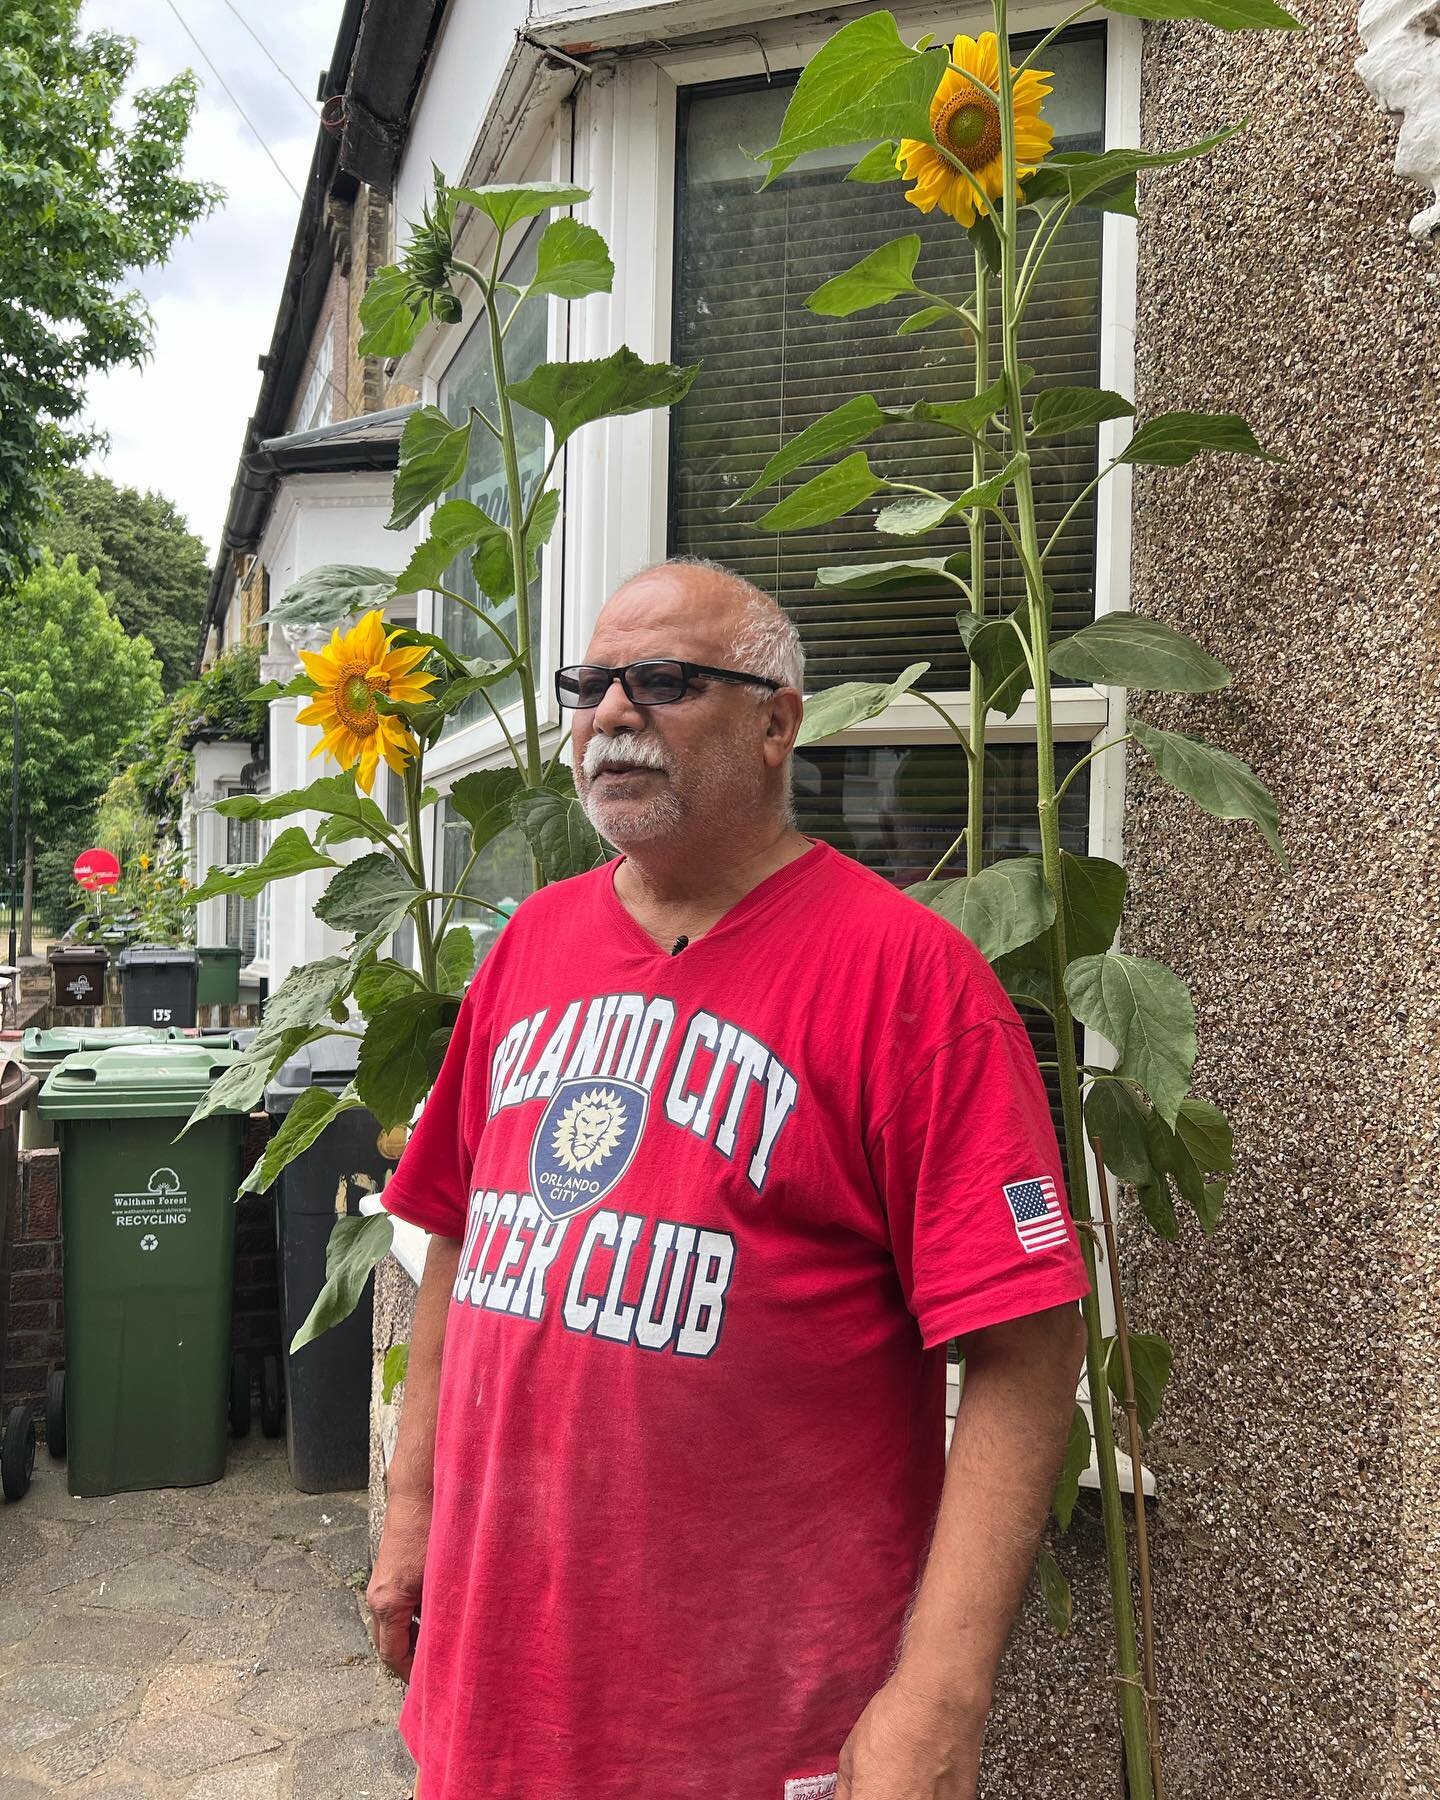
{"type": "Point", "coordinates": [571, 261]}
{"type": "Point", "coordinates": [1214, 779]}
{"type": "Point", "coordinates": [507, 203]}
{"type": "Point", "coordinates": [881, 276]}
{"type": "Point", "coordinates": [572, 394]}
{"type": "Point", "coordinates": [432, 460]}
{"type": "Point", "coordinates": [877, 164]}
{"type": "Point", "coordinates": [1227, 15]}
{"type": "Point", "coordinates": [864, 83]}
{"type": "Point", "coordinates": [292, 853]}
{"type": "Point", "coordinates": [1077, 1460]}
{"type": "Point", "coordinates": [355, 1246]}
{"type": "Point", "coordinates": [823, 497]}
{"type": "Point", "coordinates": [847, 424]}
{"type": "Point", "coordinates": [1061, 410]}
{"type": "Point", "coordinates": [851, 703]}
{"type": "Point", "coordinates": [1055, 1592]}
{"type": "Point", "coordinates": [1176, 438]}
{"type": "Point", "coordinates": [1146, 1012]}
{"type": "Point", "coordinates": [1123, 649]}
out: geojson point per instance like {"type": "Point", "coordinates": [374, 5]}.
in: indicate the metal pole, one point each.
{"type": "Point", "coordinates": [14, 842]}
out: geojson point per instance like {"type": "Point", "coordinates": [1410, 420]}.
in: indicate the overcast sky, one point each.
{"type": "Point", "coordinates": [177, 423]}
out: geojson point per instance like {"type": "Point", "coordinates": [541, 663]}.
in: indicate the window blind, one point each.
{"type": "Point", "coordinates": [745, 262]}
{"type": "Point", "coordinates": [897, 809]}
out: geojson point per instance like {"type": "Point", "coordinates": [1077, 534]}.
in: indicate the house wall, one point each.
{"type": "Point", "coordinates": [1298, 1455]}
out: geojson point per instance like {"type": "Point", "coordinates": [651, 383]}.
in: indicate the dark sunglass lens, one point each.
{"type": "Point", "coordinates": [655, 683]}
{"type": "Point", "coordinates": [584, 686]}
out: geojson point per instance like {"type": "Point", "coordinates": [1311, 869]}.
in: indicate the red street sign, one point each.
{"type": "Point", "coordinates": [96, 869]}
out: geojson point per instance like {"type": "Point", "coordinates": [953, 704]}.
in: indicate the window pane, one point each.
{"type": "Point", "coordinates": [745, 263]}
{"type": "Point", "coordinates": [470, 381]}
{"type": "Point", "coordinates": [502, 874]}
{"type": "Point", "coordinates": [898, 809]}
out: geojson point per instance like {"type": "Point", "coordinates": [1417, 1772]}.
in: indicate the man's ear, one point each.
{"type": "Point", "coordinates": [786, 711]}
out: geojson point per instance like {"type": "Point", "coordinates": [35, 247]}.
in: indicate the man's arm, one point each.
{"type": "Point", "coordinates": [394, 1591]}
{"type": "Point", "coordinates": [920, 1737]}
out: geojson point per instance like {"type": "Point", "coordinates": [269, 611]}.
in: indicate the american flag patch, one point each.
{"type": "Point", "coordinates": [1039, 1217]}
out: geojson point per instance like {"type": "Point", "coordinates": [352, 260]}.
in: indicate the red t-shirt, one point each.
{"type": "Point", "coordinates": [720, 1212]}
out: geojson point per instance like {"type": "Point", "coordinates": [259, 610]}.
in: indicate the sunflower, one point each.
{"type": "Point", "coordinates": [348, 673]}
{"type": "Point", "coordinates": [967, 122]}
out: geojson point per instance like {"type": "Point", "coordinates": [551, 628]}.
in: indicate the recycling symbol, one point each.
{"type": "Point", "coordinates": [149, 1241]}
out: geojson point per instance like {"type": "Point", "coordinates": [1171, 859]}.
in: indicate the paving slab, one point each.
{"type": "Point", "coordinates": [251, 1781]}
{"type": "Point", "coordinates": [194, 1644]}
{"type": "Point", "coordinates": [347, 1765]}
{"type": "Point", "coordinates": [195, 1742]}
{"type": "Point", "coordinates": [322, 1626]}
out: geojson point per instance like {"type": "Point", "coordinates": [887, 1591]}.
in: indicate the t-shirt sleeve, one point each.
{"type": "Point", "coordinates": [431, 1185]}
{"type": "Point", "coordinates": [969, 1174]}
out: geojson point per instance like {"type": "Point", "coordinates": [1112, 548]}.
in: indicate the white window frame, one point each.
{"type": "Point", "coordinates": [615, 474]}
{"type": "Point", "coordinates": [317, 407]}
{"type": "Point", "coordinates": [482, 743]}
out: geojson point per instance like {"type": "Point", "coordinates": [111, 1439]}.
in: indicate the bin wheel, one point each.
{"type": "Point", "coordinates": [272, 1398]}
{"type": "Point", "coordinates": [239, 1395]}
{"type": "Point", "coordinates": [55, 1414]}
{"type": "Point", "coordinates": [17, 1453]}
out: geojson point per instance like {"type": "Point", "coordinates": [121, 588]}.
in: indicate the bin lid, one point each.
{"type": "Point", "coordinates": [39, 1045]}
{"type": "Point", "coordinates": [220, 952]}
{"type": "Point", "coordinates": [150, 955]}
{"type": "Point", "coordinates": [329, 1062]}
{"type": "Point", "coordinates": [77, 953]}
{"type": "Point", "coordinates": [133, 1081]}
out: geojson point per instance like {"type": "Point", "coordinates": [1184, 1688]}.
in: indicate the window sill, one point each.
{"type": "Point", "coordinates": [409, 1244]}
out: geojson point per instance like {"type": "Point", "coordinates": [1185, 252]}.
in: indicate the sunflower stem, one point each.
{"type": "Point", "coordinates": [1099, 750]}
{"type": "Point", "coordinates": [424, 937]}
{"type": "Point", "coordinates": [1132, 1700]}
{"type": "Point", "coordinates": [975, 786]}
{"type": "Point", "coordinates": [516, 493]}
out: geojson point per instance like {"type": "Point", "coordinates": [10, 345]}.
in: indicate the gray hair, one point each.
{"type": "Point", "coordinates": [766, 641]}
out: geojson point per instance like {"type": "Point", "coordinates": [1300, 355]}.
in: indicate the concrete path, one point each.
{"type": "Point", "coordinates": [192, 1644]}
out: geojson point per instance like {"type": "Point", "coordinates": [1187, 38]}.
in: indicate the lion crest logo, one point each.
{"type": "Point", "coordinates": [584, 1143]}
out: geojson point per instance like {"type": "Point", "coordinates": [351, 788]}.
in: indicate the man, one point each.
{"type": "Point", "coordinates": [732, 1138]}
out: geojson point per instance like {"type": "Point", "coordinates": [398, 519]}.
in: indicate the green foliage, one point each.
{"type": "Point", "coordinates": [851, 702]}
{"type": "Point", "coordinates": [291, 853]}
{"type": "Point", "coordinates": [1055, 1591]}
{"type": "Point", "coordinates": [1001, 908]}
{"type": "Point", "coordinates": [573, 394]}
{"type": "Point", "coordinates": [865, 83]}
{"type": "Point", "coordinates": [93, 193]}
{"type": "Point", "coordinates": [355, 1246]}
{"type": "Point", "coordinates": [153, 567]}
{"type": "Point", "coordinates": [394, 1370]}
{"type": "Point", "coordinates": [84, 689]}
{"type": "Point", "coordinates": [216, 705]}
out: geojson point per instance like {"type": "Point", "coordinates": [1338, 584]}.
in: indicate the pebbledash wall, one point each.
{"type": "Point", "coordinates": [1298, 1457]}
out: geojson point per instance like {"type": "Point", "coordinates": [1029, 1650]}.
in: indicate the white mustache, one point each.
{"type": "Point", "coordinates": [624, 752]}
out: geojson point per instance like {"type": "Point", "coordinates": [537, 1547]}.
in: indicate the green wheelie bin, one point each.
{"type": "Point", "coordinates": [42, 1047]}
{"type": "Point", "coordinates": [149, 1235]}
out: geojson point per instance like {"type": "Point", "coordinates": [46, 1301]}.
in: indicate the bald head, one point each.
{"type": "Point", "coordinates": [742, 626]}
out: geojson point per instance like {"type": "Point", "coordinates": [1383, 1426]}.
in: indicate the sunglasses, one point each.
{"type": "Point", "coordinates": [657, 681]}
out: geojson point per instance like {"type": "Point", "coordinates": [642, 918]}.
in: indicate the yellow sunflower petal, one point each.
{"type": "Point", "coordinates": [318, 667]}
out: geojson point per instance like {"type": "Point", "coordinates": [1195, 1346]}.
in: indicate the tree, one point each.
{"type": "Point", "coordinates": [84, 690]}
{"type": "Point", "coordinates": [149, 562]}
{"type": "Point", "coordinates": [90, 198]}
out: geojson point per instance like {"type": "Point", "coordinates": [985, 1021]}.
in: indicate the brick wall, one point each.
{"type": "Point", "coordinates": [35, 1328]}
